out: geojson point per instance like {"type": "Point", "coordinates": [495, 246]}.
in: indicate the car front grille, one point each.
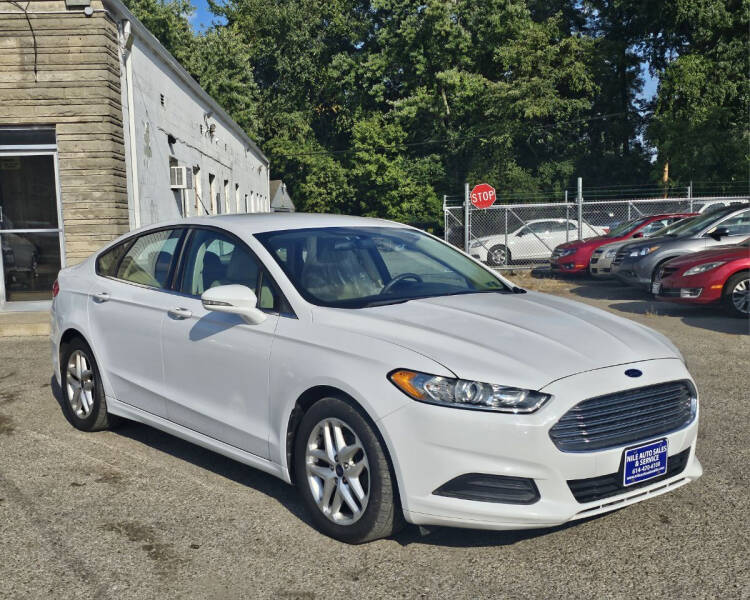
{"type": "Point", "coordinates": [606, 486]}
{"type": "Point", "coordinates": [620, 256]}
{"type": "Point", "coordinates": [625, 417]}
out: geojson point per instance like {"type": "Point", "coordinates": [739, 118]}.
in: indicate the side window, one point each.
{"type": "Point", "coordinates": [215, 258]}
{"type": "Point", "coordinates": [653, 226]}
{"type": "Point", "coordinates": [269, 297]}
{"type": "Point", "coordinates": [738, 224]}
{"type": "Point", "coordinates": [149, 259]}
{"type": "Point", "coordinates": [108, 261]}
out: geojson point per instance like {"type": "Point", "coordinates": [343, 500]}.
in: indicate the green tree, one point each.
{"type": "Point", "coordinates": [700, 119]}
{"type": "Point", "coordinates": [168, 21]}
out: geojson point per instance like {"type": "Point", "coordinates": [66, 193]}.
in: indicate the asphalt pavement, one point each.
{"type": "Point", "coordinates": [135, 513]}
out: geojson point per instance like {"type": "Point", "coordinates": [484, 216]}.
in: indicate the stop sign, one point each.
{"type": "Point", "coordinates": [483, 195]}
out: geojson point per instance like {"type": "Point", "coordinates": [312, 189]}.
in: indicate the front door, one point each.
{"type": "Point", "coordinates": [216, 366]}
{"type": "Point", "coordinates": [30, 228]}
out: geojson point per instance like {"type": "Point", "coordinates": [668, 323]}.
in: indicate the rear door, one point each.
{"type": "Point", "coordinates": [216, 366]}
{"type": "Point", "coordinates": [126, 307]}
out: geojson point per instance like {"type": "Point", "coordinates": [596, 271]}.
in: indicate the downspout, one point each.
{"type": "Point", "coordinates": [126, 52]}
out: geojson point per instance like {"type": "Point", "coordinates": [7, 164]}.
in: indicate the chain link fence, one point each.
{"type": "Point", "coordinates": [517, 236]}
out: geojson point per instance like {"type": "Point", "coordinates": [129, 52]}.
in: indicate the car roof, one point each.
{"type": "Point", "coordinates": [261, 222]}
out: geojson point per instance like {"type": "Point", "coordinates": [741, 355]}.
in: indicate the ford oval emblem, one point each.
{"type": "Point", "coordinates": [633, 373]}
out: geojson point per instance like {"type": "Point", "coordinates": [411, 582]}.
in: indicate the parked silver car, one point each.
{"type": "Point", "coordinates": [601, 265]}
{"type": "Point", "coordinates": [638, 262]}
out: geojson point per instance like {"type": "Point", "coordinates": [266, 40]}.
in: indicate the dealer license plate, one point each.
{"type": "Point", "coordinates": [645, 462]}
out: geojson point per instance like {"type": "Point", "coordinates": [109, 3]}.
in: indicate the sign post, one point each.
{"type": "Point", "coordinates": [466, 218]}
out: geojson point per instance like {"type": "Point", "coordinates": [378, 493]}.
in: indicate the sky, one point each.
{"type": "Point", "coordinates": [201, 19]}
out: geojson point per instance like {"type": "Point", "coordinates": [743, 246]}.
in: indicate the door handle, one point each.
{"type": "Point", "coordinates": [101, 297]}
{"type": "Point", "coordinates": [180, 313]}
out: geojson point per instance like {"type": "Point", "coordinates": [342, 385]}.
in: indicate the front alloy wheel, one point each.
{"type": "Point", "coordinates": [338, 472]}
{"type": "Point", "coordinates": [343, 473]}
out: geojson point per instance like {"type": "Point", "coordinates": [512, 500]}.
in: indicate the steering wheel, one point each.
{"type": "Point", "coordinates": [392, 283]}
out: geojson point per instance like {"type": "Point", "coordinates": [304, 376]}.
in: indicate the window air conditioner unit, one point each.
{"type": "Point", "coordinates": [180, 178]}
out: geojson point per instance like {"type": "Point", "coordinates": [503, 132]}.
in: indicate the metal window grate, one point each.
{"type": "Point", "coordinates": [625, 417]}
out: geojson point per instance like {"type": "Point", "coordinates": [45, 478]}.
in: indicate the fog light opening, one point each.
{"type": "Point", "coordinates": [690, 292]}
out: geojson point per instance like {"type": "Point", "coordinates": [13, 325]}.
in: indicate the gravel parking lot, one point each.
{"type": "Point", "coordinates": [135, 513]}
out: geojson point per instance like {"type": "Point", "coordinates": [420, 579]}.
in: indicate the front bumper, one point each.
{"type": "Point", "coordinates": [635, 272]}
{"type": "Point", "coordinates": [431, 445]}
{"type": "Point", "coordinates": [600, 265]}
{"type": "Point", "coordinates": [711, 289]}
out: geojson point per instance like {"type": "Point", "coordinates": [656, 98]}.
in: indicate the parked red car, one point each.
{"type": "Point", "coordinates": [719, 275]}
{"type": "Point", "coordinates": [574, 257]}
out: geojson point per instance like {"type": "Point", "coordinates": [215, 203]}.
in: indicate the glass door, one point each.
{"type": "Point", "coordinates": [30, 226]}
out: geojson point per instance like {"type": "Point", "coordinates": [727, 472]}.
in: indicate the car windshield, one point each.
{"type": "Point", "coordinates": [356, 267]}
{"type": "Point", "coordinates": [625, 228]}
{"type": "Point", "coordinates": [698, 224]}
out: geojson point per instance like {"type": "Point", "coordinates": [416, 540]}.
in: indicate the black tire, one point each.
{"type": "Point", "coordinates": [498, 248]}
{"type": "Point", "coordinates": [382, 515]}
{"type": "Point", "coordinates": [655, 273]}
{"type": "Point", "coordinates": [727, 299]}
{"type": "Point", "coordinates": [98, 418]}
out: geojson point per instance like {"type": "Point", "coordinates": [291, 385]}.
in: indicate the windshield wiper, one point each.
{"type": "Point", "coordinates": [389, 301]}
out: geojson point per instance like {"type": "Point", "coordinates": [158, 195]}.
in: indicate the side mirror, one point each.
{"type": "Point", "coordinates": [638, 235]}
{"type": "Point", "coordinates": [236, 300]}
{"type": "Point", "coordinates": [719, 233]}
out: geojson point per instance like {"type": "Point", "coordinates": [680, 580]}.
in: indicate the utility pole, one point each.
{"type": "Point", "coordinates": [467, 225]}
{"type": "Point", "coordinates": [579, 200]}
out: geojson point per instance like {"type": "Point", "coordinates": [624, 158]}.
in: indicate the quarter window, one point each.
{"type": "Point", "coordinates": [107, 262]}
{"type": "Point", "coordinates": [149, 260]}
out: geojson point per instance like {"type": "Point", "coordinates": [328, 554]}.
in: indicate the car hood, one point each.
{"type": "Point", "coordinates": [592, 242]}
{"type": "Point", "coordinates": [524, 340]}
{"type": "Point", "coordinates": [721, 253]}
{"type": "Point", "coordinates": [665, 240]}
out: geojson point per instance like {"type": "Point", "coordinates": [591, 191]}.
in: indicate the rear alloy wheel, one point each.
{"type": "Point", "coordinates": [83, 393]}
{"type": "Point", "coordinates": [737, 294]}
{"type": "Point", "coordinates": [498, 255]}
{"type": "Point", "coordinates": [343, 474]}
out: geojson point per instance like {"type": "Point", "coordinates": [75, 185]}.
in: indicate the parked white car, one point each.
{"type": "Point", "coordinates": [535, 239]}
{"type": "Point", "coordinates": [388, 375]}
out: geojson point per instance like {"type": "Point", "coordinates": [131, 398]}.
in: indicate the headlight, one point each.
{"type": "Point", "coordinates": [476, 244]}
{"type": "Point", "coordinates": [566, 252]}
{"type": "Point", "coordinates": [459, 393]}
{"type": "Point", "coordinates": [643, 251]}
{"type": "Point", "coordinates": [703, 268]}
{"type": "Point", "coordinates": [610, 253]}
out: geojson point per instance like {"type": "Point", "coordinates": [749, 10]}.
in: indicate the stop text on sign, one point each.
{"type": "Point", "coordinates": [483, 195]}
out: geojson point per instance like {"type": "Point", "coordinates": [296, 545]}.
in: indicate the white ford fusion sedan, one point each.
{"type": "Point", "coordinates": [389, 376]}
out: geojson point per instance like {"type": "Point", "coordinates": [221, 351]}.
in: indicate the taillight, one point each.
{"type": "Point", "coordinates": [55, 289]}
